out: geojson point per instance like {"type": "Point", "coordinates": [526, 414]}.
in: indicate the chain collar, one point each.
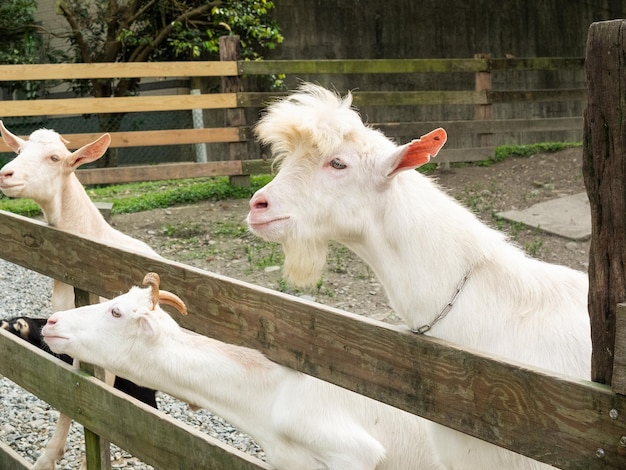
{"type": "Point", "coordinates": [444, 311]}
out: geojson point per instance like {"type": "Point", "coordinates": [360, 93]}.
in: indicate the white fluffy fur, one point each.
{"type": "Point", "coordinates": [420, 243]}
{"type": "Point", "coordinates": [301, 422]}
{"type": "Point", "coordinates": [44, 170]}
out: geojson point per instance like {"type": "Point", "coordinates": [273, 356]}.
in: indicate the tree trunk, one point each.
{"type": "Point", "coordinates": [604, 169]}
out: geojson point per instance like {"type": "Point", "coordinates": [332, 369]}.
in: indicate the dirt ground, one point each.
{"type": "Point", "coordinates": [213, 235]}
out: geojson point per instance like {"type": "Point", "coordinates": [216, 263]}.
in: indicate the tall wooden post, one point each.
{"type": "Point", "coordinates": [230, 49]}
{"type": "Point", "coordinates": [484, 112]}
{"type": "Point", "coordinates": [604, 169]}
{"type": "Point", "coordinates": [97, 449]}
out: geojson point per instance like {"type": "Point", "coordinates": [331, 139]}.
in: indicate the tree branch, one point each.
{"type": "Point", "coordinates": [142, 53]}
{"type": "Point", "coordinates": [80, 39]}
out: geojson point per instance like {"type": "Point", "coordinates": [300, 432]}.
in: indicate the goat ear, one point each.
{"type": "Point", "coordinates": [418, 152]}
{"type": "Point", "coordinates": [13, 142]}
{"type": "Point", "coordinates": [90, 152]}
{"type": "Point", "coordinates": [146, 324]}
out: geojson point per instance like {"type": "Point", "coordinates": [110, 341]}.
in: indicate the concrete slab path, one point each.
{"type": "Point", "coordinates": [567, 216]}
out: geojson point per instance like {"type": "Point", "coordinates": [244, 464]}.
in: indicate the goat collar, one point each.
{"type": "Point", "coordinates": [444, 311]}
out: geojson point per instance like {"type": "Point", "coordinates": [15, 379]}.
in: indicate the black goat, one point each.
{"type": "Point", "coordinates": [29, 329]}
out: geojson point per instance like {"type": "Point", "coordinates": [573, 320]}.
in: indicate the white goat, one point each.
{"type": "Point", "coordinates": [444, 272]}
{"type": "Point", "coordinates": [301, 422]}
{"type": "Point", "coordinates": [44, 171]}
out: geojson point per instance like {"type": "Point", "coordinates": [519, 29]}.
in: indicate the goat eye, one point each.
{"type": "Point", "coordinates": [54, 158]}
{"type": "Point", "coordinates": [115, 312]}
{"type": "Point", "coordinates": [337, 164]}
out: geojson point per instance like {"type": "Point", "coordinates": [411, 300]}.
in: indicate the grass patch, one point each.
{"type": "Point", "coordinates": [503, 152]}
{"type": "Point", "coordinates": [137, 197]}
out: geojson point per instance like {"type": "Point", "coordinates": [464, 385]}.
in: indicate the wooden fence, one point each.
{"type": "Point", "coordinates": [582, 424]}
{"type": "Point", "coordinates": [483, 98]}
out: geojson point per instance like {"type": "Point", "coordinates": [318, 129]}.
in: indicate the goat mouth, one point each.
{"type": "Point", "coordinates": [11, 188]}
{"type": "Point", "coordinates": [256, 224]}
{"type": "Point", "coordinates": [52, 338]}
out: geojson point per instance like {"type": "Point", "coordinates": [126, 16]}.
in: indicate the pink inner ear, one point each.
{"type": "Point", "coordinates": [420, 150]}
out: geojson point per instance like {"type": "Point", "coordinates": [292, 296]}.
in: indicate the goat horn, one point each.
{"type": "Point", "coordinates": [162, 296]}
{"type": "Point", "coordinates": [153, 280]}
{"type": "Point", "coordinates": [168, 298]}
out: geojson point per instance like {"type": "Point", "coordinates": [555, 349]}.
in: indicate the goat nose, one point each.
{"type": "Point", "coordinates": [52, 320]}
{"type": "Point", "coordinates": [6, 173]}
{"type": "Point", "coordinates": [258, 202]}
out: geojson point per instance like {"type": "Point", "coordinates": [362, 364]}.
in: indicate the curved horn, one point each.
{"type": "Point", "coordinates": [153, 280]}
{"type": "Point", "coordinates": [162, 296]}
{"type": "Point", "coordinates": [168, 298]}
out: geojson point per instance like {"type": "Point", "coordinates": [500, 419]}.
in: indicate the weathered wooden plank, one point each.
{"type": "Point", "coordinates": [163, 171]}
{"type": "Point", "coordinates": [469, 154]}
{"type": "Point", "coordinates": [257, 167]}
{"type": "Point", "coordinates": [538, 63]}
{"type": "Point", "coordinates": [124, 104]}
{"type": "Point", "coordinates": [618, 384]}
{"type": "Point", "coordinates": [352, 66]}
{"type": "Point", "coordinates": [489, 398]}
{"type": "Point", "coordinates": [11, 460]}
{"type": "Point", "coordinates": [381, 98]}
{"type": "Point", "coordinates": [117, 70]}
{"type": "Point", "coordinates": [152, 138]}
{"type": "Point", "coordinates": [476, 127]}
{"type": "Point", "coordinates": [231, 68]}
{"type": "Point", "coordinates": [149, 434]}
{"type": "Point", "coordinates": [559, 94]}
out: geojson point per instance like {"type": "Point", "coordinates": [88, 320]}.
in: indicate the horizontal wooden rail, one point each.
{"type": "Point", "coordinates": [417, 98]}
{"type": "Point", "coordinates": [153, 436]}
{"type": "Point", "coordinates": [399, 66]}
{"type": "Point", "coordinates": [125, 104]}
{"type": "Point", "coordinates": [20, 73]}
{"type": "Point", "coordinates": [365, 66]}
{"type": "Point", "coordinates": [152, 138]}
{"type": "Point", "coordinates": [538, 63]}
{"type": "Point", "coordinates": [559, 94]}
{"type": "Point", "coordinates": [70, 106]}
{"type": "Point", "coordinates": [168, 171]}
{"type": "Point", "coordinates": [494, 126]}
{"type": "Point", "coordinates": [419, 374]}
{"type": "Point", "coordinates": [381, 98]}
{"type": "Point", "coordinates": [164, 171]}
{"type": "Point", "coordinates": [233, 68]}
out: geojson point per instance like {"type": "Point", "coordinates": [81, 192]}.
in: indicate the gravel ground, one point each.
{"type": "Point", "coordinates": [26, 423]}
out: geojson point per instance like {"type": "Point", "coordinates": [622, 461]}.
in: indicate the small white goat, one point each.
{"type": "Point", "coordinates": [301, 422]}
{"type": "Point", "coordinates": [445, 273]}
{"type": "Point", "coordinates": [44, 171]}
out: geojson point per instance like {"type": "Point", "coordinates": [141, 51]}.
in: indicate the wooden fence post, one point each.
{"type": "Point", "coordinates": [619, 363]}
{"type": "Point", "coordinates": [97, 450]}
{"type": "Point", "coordinates": [604, 170]}
{"type": "Point", "coordinates": [483, 112]}
{"type": "Point", "coordinates": [230, 49]}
